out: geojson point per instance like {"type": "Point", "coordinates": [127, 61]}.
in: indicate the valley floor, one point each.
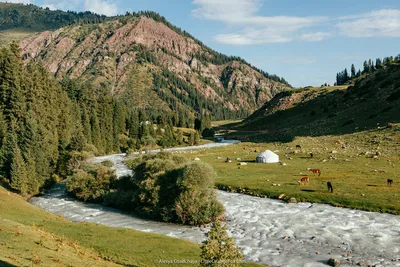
{"type": "Point", "coordinates": [267, 230]}
{"type": "Point", "coordinates": [358, 165]}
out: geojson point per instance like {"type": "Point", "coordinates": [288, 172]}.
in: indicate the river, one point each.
{"type": "Point", "coordinates": [268, 231]}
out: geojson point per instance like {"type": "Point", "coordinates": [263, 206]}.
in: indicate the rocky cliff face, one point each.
{"type": "Point", "coordinates": [125, 55]}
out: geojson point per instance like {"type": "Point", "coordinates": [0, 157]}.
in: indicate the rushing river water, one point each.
{"type": "Point", "coordinates": [268, 231]}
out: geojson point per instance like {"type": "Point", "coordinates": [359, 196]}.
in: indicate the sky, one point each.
{"type": "Point", "coordinates": [307, 42]}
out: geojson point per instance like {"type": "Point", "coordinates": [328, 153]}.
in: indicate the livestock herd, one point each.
{"type": "Point", "coordinates": [306, 179]}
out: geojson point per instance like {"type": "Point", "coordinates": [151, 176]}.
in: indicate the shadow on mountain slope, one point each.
{"type": "Point", "coordinates": [370, 103]}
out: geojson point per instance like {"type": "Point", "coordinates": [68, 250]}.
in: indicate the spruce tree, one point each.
{"type": "Point", "coordinates": [378, 64]}
{"type": "Point", "coordinates": [18, 172]}
{"type": "Point", "coordinates": [353, 71]}
{"type": "Point", "coordinates": [366, 67]}
{"type": "Point", "coordinates": [197, 138]}
{"type": "Point", "coordinates": [219, 249]}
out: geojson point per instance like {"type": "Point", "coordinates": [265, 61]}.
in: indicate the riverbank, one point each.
{"type": "Point", "coordinates": [358, 165]}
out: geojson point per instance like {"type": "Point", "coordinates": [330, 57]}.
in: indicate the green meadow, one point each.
{"type": "Point", "coordinates": [358, 165]}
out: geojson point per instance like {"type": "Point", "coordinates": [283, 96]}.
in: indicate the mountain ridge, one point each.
{"type": "Point", "coordinates": [143, 58]}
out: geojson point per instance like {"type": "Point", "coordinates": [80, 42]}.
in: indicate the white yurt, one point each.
{"type": "Point", "coordinates": [267, 157]}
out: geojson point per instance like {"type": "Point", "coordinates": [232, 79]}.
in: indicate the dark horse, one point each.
{"type": "Point", "coordinates": [330, 187]}
{"type": "Point", "coordinates": [390, 182]}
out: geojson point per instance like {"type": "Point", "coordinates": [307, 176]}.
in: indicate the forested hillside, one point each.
{"type": "Point", "coordinates": [47, 126]}
{"type": "Point", "coordinates": [20, 16]}
{"type": "Point", "coordinates": [369, 67]}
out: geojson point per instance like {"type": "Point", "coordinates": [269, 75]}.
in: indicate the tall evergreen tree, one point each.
{"type": "Point", "coordinates": [18, 172]}
{"type": "Point", "coordinates": [378, 64]}
{"type": "Point", "coordinates": [366, 67]}
{"type": "Point", "coordinates": [353, 71]}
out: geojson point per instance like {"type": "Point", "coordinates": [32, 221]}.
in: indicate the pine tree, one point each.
{"type": "Point", "coordinates": [366, 67]}
{"type": "Point", "coordinates": [378, 64]}
{"type": "Point", "coordinates": [11, 91]}
{"type": "Point", "coordinates": [196, 138]}
{"type": "Point", "coordinates": [179, 137]}
{"type": "Point", "coordinates": [192, 138]}
{"type": "Point", "coordinates": [370, 66]}
{"type": "Point", "coordinates": [345, 76]}
{"type": "Point", "coordinates": [220, 249]}
{"type": "Point", "coordinates": [87, 131]}
{"type": "Point", "coordinates": [353, 71]}
{"type": "Point", "coordinates": [18, 172]}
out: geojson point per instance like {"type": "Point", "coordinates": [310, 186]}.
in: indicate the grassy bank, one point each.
{"type": "Point", "coordinates": [117, 246]}
{"type": "Point", "coordinates": [347, 161]}
{"type": "Point", "coordinates": [30, 236]}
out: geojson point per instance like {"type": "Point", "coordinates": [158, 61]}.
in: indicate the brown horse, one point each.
{"type": "Point", "coordinates": [316, 171]}
{"type": "Point", "coordinates": [389, 182]}
{"type": "Point", "coordinates": [304, 180]}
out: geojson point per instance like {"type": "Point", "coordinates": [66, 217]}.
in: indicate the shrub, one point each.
{"type": "Point", "coordinates": [197, 202]}
{"type": "Point", "coordinates": [170, 188]}
{"type": "Point", "coordinates": [220, 249]}
{"type": "Point", "coordinates": [91, 183]}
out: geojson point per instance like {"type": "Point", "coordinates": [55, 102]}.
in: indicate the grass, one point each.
{"type": "Point", "coordinates": [118, 246]}
{"type": "Point", "coordinates": [16, 34]}
{"type": "Point", "coordinates": [225, 122]}
{"type": "Point", "coordinates": [31, 236]}
{"type": "Point", "coordinates": [23, 245]}
{"type": "Point", "coordinates": [359, 180]}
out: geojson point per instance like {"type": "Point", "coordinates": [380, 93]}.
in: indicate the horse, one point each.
{"type": "Point", "coordinates": [311, 155]}
{"type": "Point", "coordinates": [316, 171]}
{"type": "Point", "coordinates": [304, 180]}
{"type": "Point", "coordinates": [298, 147]}
{"type": "Point", "coordinates": [330, 187]}
{"type": "Point", "coordinates": [389, 182]}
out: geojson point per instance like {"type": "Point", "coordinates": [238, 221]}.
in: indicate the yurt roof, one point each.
{"type": "Point", "coordinates": [267, 153]}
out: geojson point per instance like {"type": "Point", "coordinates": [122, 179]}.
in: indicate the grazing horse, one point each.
{"type": "Point", "coordinates": [316, 171]}
{"type": "Point", "coordinates": [304, 180]}
{"type": "Point", "coordinates": [330, 187]}
{"type": "Point", "coordinates": [298, 147]}
{"type": "Point", "coordinates": [390, 182]}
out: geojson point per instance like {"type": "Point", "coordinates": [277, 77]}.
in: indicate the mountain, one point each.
{"type": "Point", "coordinates": [153, 65]}
{"type": "Point", "coordinates": [18, 21]}
{"type": "Point", "coordinates": [372, 101]}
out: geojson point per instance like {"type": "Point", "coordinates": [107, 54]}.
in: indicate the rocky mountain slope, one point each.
{"type": "Point", "coordinates": [373, 101]}
{"type": "Point", "coordinates": [153, 65]}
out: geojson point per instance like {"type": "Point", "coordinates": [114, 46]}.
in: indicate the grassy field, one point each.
{"type": "Point", "coordinates": [9, 35]}
{"type": "Point", "coordinates": [222, 123]}
{"type": "Point", "coordinates": [30, 236]}
{"type": "Point", "coordinates": [359, 179]}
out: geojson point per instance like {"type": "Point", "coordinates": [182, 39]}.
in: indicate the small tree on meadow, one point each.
{"type": "Point", "coordinates": [220, 249]}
